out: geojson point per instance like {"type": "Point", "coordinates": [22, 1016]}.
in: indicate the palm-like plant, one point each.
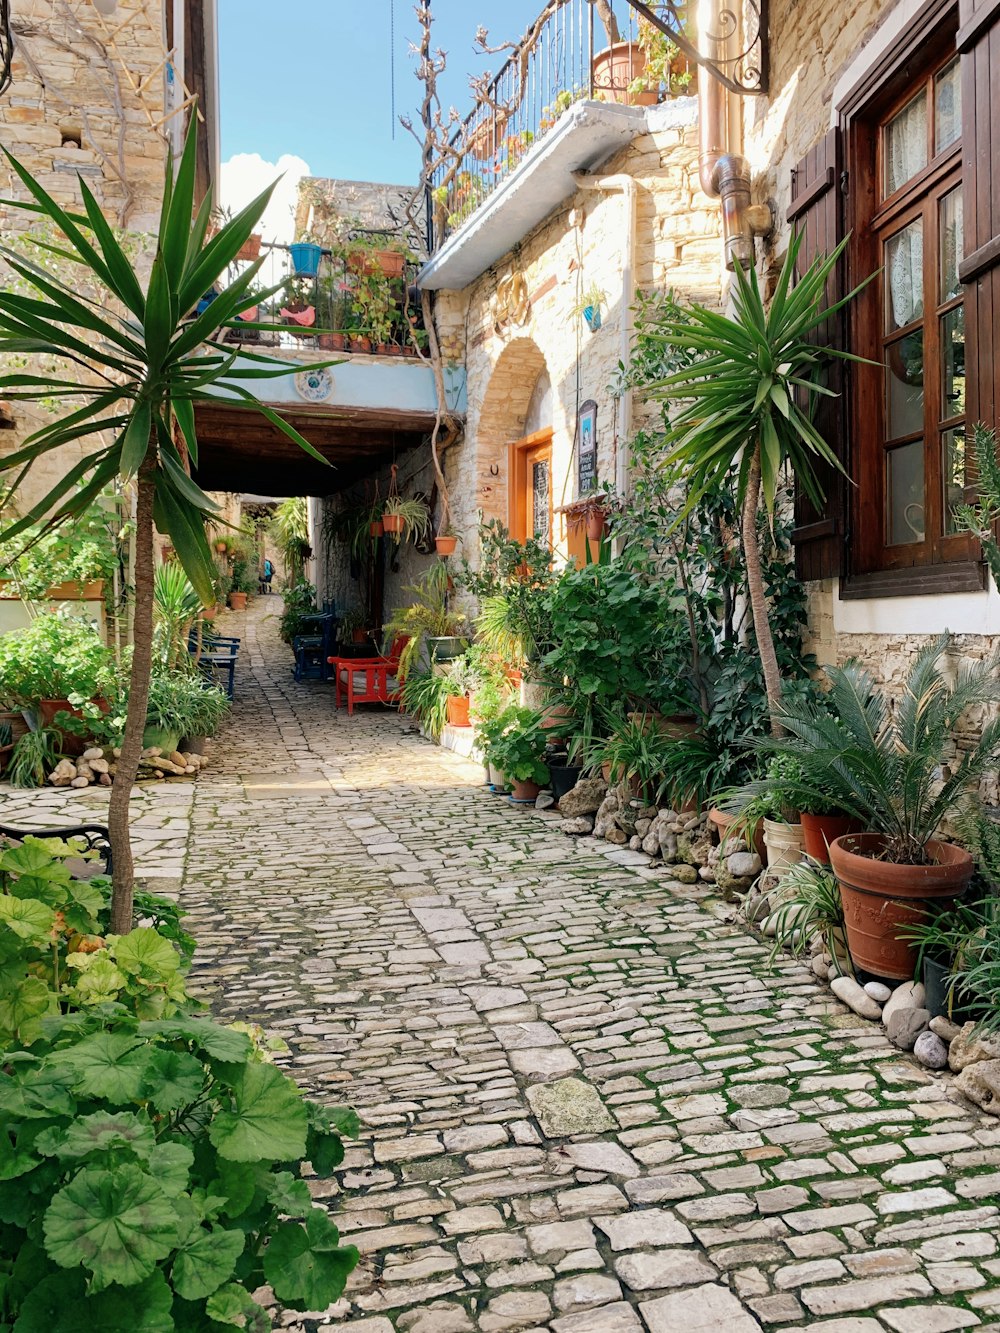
{"type": "Point", "coordinates": [133, 364]}
{"type": "Point", "coordinates": [883, 765]}
{"type": "Point", "coordinates": [290, 530]}
{"type": "Point", "coordinates": [742, 406]}
{"type": "Point", "coordinates": [176, 606]}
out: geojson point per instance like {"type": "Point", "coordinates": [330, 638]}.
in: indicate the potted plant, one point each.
{"type": "Point", "coordinates": [305, 256]}
{"type": "Point", "coordinates": [405, 518]}
{"type": "Point", "coordinates": [635, 754]}
{"type": "Point", "coordinates": [51, 662]}
{"type": "Point", "coordinates": [6, 745]}
{"type": "Point", "coordinates": [953, 942]}
{"type": "Point", "coordinates": [430, 627]}
{"type": "Point", "coordinates": [882, 765]}
{"type": "Point", "coordinates": [664, 67]}
{"type": "Point", "coordinates": [590, 305]}
{"type": "Point", "coordinates": [518, 753]}
{"type": "Point", "coordinates": [620, 66]}
{"type": "Point", "coordinates": [434, 699]}
{"type": "Point", "coordinates": [810, 906]}
{"type": "Point", "coordinates": [354, 623]}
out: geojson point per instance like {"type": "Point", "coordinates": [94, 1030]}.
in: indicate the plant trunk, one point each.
{"type": "Point", "coordinates": [758, 597]}
{"type": "Point", "coordinates": [123, 874]}
{"type": "Point", "coordinates": [607, 17]}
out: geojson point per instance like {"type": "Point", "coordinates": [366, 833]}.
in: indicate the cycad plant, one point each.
{"type": "Point", "coordinates": [131, 367]}
{"type": "Point", "coordinates": [746, 406]}
{"type": "Point", "coordinates": [881, 758]}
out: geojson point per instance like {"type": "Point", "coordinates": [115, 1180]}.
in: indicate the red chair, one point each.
{"type": "Point", "coordinates": [368, 680]}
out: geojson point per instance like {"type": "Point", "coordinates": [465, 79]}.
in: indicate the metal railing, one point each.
{"type": "Point", "coordinates": [565, 56]}
{"type": "Point", "coordinates": [359, 299]}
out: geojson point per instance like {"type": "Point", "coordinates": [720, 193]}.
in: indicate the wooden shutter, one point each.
{"type": "Point", "coordinates": [978, 42]}
{"type": "Point", "coordinates": [816, 211]}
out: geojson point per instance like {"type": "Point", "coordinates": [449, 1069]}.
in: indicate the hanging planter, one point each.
{"type": "Point", "coordinates": [445, 545]}
{"type": "Point", "coordinates": [393, 524]}
{"type": "Point", "coordinates": [592, 314]}
{"type": "Point", "coordinates": [305, 258]}
{"type": "Point", "coordinates": [399, 517]}
{"type": "Point", "coordinates": [376, 528]}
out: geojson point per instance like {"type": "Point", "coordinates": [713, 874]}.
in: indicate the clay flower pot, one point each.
{"type": "Point", "coordinates": [457, 710]}
{"type": "Point", "coordinates": [819, 831]}
{"type": "Point", "coordinates": [376, 528]}
{"type": "Point", "coordinates": [393, 524]}
{"type": "Point", "coordinates": [882, 899]}
{"type": "Point", "coordinates": [238, 601]}
{"type": "Point", "coordinates": [524, 793]}
{"type": "Point", "coordinates": [445, 545]}
{"type": "Point", "coordinates": [614, 69]}
{"type": "Point", "coordinates": [597, 526]}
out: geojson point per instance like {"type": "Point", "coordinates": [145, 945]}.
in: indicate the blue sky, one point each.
{"type": "Point", "coordinates": [310, 78]}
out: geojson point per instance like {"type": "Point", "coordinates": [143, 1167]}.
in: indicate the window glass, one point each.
{"type": "Point", "coordinates": [953, 474]}
{"type": "Point", "coordinates": [904, 268]}
{"type": "Point", "coordinates": [953, 363]}
{"type": "Point", "coordinates": [540, 500]}
{"type": "Point", "coordinates": [947, 107]}
{"type": "Point", "coordinates": [905, 144]}
{"type": "Point", "coordinates": [905, 385]}
{"type": "Point", "coordinates": [951, 245]}
{"type": "Point", "coordinates": [905, 494]}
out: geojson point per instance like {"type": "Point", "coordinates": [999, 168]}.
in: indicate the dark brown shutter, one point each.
{"type": "Point", "coordinates": [816, 211]}
{"type": "Point", "coordinates": [978, 42]}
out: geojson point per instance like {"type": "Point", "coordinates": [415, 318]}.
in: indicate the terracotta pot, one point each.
{"type": "Point", "coordinates": [376, 528]}
{"type": "Point", "coordinates": [381, 349]}
{"type": "Point", "coordinates": [332, 342]}
{"type": "Point", "coordinates": [391, 262]}
{"type": "Point", "coordinates": [597, 526]}
{"type": "Point", "coordinates": [47, 709]}
{"type": "Point", "coordinates": [819, 831]}
{"type": "Point", "coordinates": [15, 720]}
{"type": "Point", "coordinates": [393, 524]}
{"type": "Point", "coordinates": [881, 898]}
{"type": "Point", "coordinates": [221, 547]}
{"type": "Point", "coordinates": [238, 601]}
{"type": "Point", "coordinates": [524, 792]}
{"type": "Point", "coordinates": [359, 636]}
{"type": "Point", "coordinates": [554, 715]}
{"type": "Point", "coordinates": [457, 710]}
{"type": "Point", "coordinates": [445, 545]}
{"type": "Point", "coordinates": [361, 344]}
{"type": "Point", "coordinates": [488, 135]}
{"type": "Point", "coordinates": [614, 69]}
{"type": "Point", "coordinates": [209, 612]}
{"type": "Point", "coordinates": [722, 820]}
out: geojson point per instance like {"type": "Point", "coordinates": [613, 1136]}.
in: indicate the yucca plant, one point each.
{"type": "Point", "coordinates": [176, 606]}
{"type": "Point", "coordinates": [881, 761]}
{"type": "Point", "coordinates": [131, 366]}
{"type": "Point", "coordinates": [741, 407]}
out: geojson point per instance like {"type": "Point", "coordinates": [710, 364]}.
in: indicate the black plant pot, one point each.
{"type": "Point", "coordinates": [563, 778]}
{"type": "Point", "coordinates": [936, 987]}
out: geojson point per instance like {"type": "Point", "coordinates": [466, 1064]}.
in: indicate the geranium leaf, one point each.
{"type": "Point", "coordinates": [289, 1195]}
{"type": "Point", "coordinates": [222, 1043]}
{"type": "Point", "coordinates": [61, 1304]}
{"type": "Point", "coordinates": [99, 980]}
{"type": "Point", "coordinates": [28, 918]}
{"type": "Point", "coordinates": [174, 1080]}
{"type": "Point", "coordinates": [206, 1262]}
{"type": "Point", "coordinates": [171, 1164]}
{"type": "Point", "coordinates": [21, 1003]}
{"type": "Point", "coordinates": [109, 1065]}
{"type": "Point", "coordinates": [143, 952]}
{"type": "Point", "coordinates": [267, 1122]}
{"type": "Point", "coordinates": [306, 1266]}
{"type": "Point", "coordinates": [234, 1305]}
{"type": "Point", "coordinates": [116, 1223]}
{"type": "Point", "coordinates": [103, 1129]}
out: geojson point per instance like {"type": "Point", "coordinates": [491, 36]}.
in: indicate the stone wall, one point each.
{"type": "Point", "coordinates": [73, 111]}
{"type": "Point", "coordinates": [579, 245]}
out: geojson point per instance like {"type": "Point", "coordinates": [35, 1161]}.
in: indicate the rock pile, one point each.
{"type": "Point", "coordinates": [97, 766]}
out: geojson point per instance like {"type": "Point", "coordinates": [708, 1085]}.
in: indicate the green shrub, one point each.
{"type": "Point", "coordinates": [300, 600]}
{"type": "Point", "coordinates": [518, 747]}
{"type": "Point", "coordinates": [152, 1158]}
{"type": "Point", "coordinates": [54, 657]}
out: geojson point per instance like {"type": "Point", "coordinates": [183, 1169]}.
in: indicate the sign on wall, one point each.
{"type": "Point", "coordinates": [586, 447]}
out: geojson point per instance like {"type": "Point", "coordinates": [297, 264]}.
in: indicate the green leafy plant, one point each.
{"type": "Point", "coordinates": [34, 756]}
{"type": "Point", "coordinates": [741, 408]}
{"type": "Point", "coordinates": [176, 607]}
{"type": "Point", "coordinates": [414, 513]}
{"type": "Point", "coordinates": [519, 745]}
{"type": "Point", "coordinates": [300, 601]}
{"type": "Point", "coordinates": [425, 697]}
{"type": "Point", "coordinates": [185, 703]}
{"type": "Point", "coordinates": [636, 751]}
{"type": "Point", "coordinates": [810, 905]}
{"type": "Point", "coordinates": [881, 761]}
{"type": "Point", "coordinates": [428, 616]}
{"type": "Point", "coordinates": [152, 1157]}
{"type": "Point", "coordinates": [133, 363]}
{"type": "Point", "coordinates": [54, 657]}
{"type": "Point", "coordinates": [289, 528]}
{"type": "Point", "coordinates": [980, 519]}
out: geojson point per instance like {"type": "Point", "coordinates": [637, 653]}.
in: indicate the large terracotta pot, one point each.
{"type": "Point", "coordinates": [819, 831]}
{"type": "Point", "coordinates": [614, 69]}
{"type": "Point", "coordinates": [524, 792]}
{"type": "Point", "coordinates": [881, 899]}
{"type": "Point", "coordinates": [47, 710]}
{"type": "Point", "coordinates": [238, 601]}
{"type": "Point", "coordinates": [457, 710]}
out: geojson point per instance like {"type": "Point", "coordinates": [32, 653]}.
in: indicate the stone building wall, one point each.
{"type": "Point", "coordinates": [581, 244]}
{"type": "Point", "coordinates": [73, 111]}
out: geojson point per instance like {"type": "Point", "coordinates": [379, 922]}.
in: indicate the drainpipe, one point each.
{"type": "Point", "coordinates": [723, 174]}
{"type": "Point", "coordinates": [626, 185]}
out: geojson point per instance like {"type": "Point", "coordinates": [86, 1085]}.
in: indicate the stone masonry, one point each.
{"type": "Point", "coordinates": [588, 1104]}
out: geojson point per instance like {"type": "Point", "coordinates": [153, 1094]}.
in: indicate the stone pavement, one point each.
{"type": "Point", "coordinates": [588, 1106]}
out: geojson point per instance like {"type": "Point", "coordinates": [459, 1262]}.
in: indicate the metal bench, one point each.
{"type": "Point", "coordinates": [95, 836]}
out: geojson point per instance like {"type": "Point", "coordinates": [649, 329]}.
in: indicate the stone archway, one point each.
{"type": "Point", "coordinates": [502, 419]}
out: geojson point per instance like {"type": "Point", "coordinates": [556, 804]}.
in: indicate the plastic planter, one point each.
{"type": "Point", "coordinates": [305, 259]}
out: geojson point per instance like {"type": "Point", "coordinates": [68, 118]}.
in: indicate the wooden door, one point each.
{"type": "Point", "coordinates": [530, 493]}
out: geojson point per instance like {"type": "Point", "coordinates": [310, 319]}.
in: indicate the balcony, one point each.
{"type": "Point", "coordinates": [573, 91]}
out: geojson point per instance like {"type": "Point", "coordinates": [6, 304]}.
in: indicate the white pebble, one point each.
{"type": "Point", "coordinates": [878, 991]}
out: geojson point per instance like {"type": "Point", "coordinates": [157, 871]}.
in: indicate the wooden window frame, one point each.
{"type": "Point", "coordinates": [519, 453]}
{"type": "Point", "coordinates": [872, 220]}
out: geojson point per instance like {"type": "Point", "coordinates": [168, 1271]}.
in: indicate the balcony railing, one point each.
{"type": "Point", "coordinates": [566, 56]}
{"type": "Point", "coordinates": [359, 297]}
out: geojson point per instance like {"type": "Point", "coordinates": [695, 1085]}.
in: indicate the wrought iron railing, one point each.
{"type": "Point", "coordinates": [626, 51]}
{"type": "Point", "coordinates": [566, 56]}
{"type": "Point", "coordinates": [359, 297]}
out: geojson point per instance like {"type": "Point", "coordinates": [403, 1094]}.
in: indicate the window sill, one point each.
{"type": "Point", "coordinates": [918, 581]}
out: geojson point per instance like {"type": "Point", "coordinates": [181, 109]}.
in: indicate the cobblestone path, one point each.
{"type": "Point", "coordinates": [588, 1106]}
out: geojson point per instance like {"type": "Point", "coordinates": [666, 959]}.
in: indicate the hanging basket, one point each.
{"type": "Point", "coordinates": [376, 528]}
{"type": "Point", "coordinates": [393, 524]}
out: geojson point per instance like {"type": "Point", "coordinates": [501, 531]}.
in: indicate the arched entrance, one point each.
{"type": "Point", "coordinates": [518, 396]}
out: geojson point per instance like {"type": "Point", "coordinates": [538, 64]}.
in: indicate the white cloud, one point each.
{"type": "Point", "coordinates": [245, 175]}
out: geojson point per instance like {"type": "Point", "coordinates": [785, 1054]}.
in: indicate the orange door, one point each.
{"type": "Point", "coordinates": [530, 494]}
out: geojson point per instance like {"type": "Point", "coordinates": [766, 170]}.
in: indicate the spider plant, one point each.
{"type": "Point", "coordinates": [635, 752]}
{"type": "Point", "coordinates": [882, 764]}
{"type": "Point", "coordinates": [414, 513]}
{"type": "Point", "coordinates": [965, 939]}
{"type": "Point", "coordinates": [33, 758]}
{"type": "Point", "coordinates": [425, 696]}
{"type": "Point", "coordinates": [810, 905]}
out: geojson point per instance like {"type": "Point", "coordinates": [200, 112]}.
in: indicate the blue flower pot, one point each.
{"type": "Point", "coordinates": [592, 314]}
{"type": "Point", "coordinates": [205, 302]}
{"type": "Point", "coordinates": [305, 259]}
